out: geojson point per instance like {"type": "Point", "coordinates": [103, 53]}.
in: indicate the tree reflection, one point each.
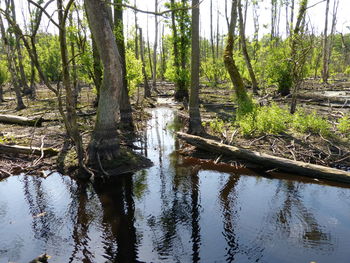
{"type": "Point", "coordinates": [228, 195]}
{"type": "Point", "coordinates": [293, 210]}
{"type": "Point", "coordinates": [118, 207]}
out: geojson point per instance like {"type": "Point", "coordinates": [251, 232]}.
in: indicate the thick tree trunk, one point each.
{"type": "Point", "coordinates": [97, 67]}
{"type": "Point", "coordinates": [104, 144]}
{"type": "Point", "coordinates": [268, 161]}
{"type": "Point", "coordinates": [195, 124]}
{"type": "Point", "coordinates": [245, 50]}
{"type": "Point", "coordinates": [147, 90]}
{"type": "Point", "coordinates": [1, 94]}
{"type": "Point", "coordinates": [126, 120]}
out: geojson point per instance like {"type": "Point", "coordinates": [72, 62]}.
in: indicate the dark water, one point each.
{"type": "Point", "coordinates": [174, 212]}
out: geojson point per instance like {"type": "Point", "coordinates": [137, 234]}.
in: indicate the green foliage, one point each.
{"type": "Point", "coordinates": [217, 125]}
{"type": "Point", "coordinates": [134, 71]}
{"type": "Point", "coordinates": [312, 123]}
{"type": "Point", "coordinates": [273, 68]}
{"type": "Point", "coordinates": [3, 73]}
{"type": "Point", "coordinates": [210, 70]}
{"type": "Point", "coordinates": [275, 120]}
{"type": "Point", "coordinates": [49, 56]}
{"type": "Point", "coordinates": [265, 120]}
{"type": "Point", "coordinates": [344, 125]}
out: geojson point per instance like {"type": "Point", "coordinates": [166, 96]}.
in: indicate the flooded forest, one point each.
{"type": "Point", "coordinates": [174, 131]}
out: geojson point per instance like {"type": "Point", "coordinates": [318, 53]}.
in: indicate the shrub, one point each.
{"type": "Point", "coordinates": [265, 120]}
{"type": "Point", "coordinates": [344, 125]}
{"type": "Point", "coordinates": [312, 123]}
{"type": "Point", "coordinates": [134, 71]}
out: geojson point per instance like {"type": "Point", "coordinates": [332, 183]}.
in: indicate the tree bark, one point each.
{"type": "Point", "coordinates": [126, 120]}
{"type": "Point", "coordinates": [240, 90]}
{"type": "Point", "coordinates": [266, 160]}
{"type": "Point", "coordinates": [325, 69]}
{"type": "Point", "coordinates": [16, 149]}
{"type": "Point", "coordinates": [245, 50]}
{"type": "Point", "coordinates": [11, 66]}
{"type": "Point", "coordinates": [195, 123]}
{"type": "Point", "coordinates": [13, 119]}
{"type": "Point", "coordinates": [104, 144]}
{"type": "Point", "coordinates": [147, 90]}
{"type": "Point", "coordinates": [71, 121]}
{"type": "Point", "coordinates": [155, 46]}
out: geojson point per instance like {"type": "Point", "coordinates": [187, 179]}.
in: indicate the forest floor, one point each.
{"type": "Point", "coordinates": [330, 101]}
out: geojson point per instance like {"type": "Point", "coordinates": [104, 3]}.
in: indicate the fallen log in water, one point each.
{"type": "Point", "coordinates": [16, 149]}
{"type": "Point", "coordinates": [12, 119]}
{"type": "Point", "coordinates": [268, 161]}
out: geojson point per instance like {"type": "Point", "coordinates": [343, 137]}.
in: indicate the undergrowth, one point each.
{"type": "Point", "coordinates": [276, 120]}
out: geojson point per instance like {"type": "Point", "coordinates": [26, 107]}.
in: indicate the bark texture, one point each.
{"type": "Point", "coordinates": [195, 124]}
{"type": "Point", "coordinates": [104, 143]}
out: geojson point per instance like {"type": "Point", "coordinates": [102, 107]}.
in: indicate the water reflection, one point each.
{"type": "Point", "coordinates": [179, 210]}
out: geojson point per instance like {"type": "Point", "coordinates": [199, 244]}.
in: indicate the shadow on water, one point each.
{"type": "Point", "coordinates": [179, 210]}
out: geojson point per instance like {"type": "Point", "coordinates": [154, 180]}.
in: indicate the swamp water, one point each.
{"type": "Point", "coordinates": [173, 212]}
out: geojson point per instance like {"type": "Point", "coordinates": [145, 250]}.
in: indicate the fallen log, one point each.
{"type": "Point", "coordinates": [12, 119]}
{"type": "Point", "coordinates": [16, 149]}
{"type": "Point", "coordinates": [268, 161]}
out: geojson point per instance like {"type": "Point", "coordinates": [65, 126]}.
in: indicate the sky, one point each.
{"type": "Point", "coordinates": [316, 15]}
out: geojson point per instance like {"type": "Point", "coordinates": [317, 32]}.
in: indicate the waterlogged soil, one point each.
{"type": "Point", "coordinates": [180, 210]}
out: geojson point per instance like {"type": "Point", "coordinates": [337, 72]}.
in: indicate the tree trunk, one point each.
{"type": "Point", "coordinates": [11, 66]}
{"type": "Point", "coordinates": [212, 41]}
{"type": "Point", "coordinates": [245, 50]}
{"type": "Point", "coordinates": [104, 144]}
{"type": "Point", "coordinates": [71, 123]}
{"type": "Point", "coordinates": [13, 119]}
{"type": "Point", "coordinates": [325, 69]}
{"type": "Point", "coordinates": [268, 161]}
{"type": "Point", "coordinates": [240, 90]}
{"type": "Point", "coordinates": [75, 90]}
{"type": "Point", "coordinates": [298, 61]}
{"type": "Point", "coordinates": [16, 149]}
{"type": "Point", "coordinates": [195, 123]}
{"type": "Point", "coordinates": [147, 90]}
{"type": "Point", "coordinates": [136, 36]}
{"type": "Point", "coordinates": [126, 120]}
{"type": "Point", "coordinates": [97, 77]}
{"type": "Point", "coordinates": [22, 79]}
{"type": "Point", "coordinates": [155, 45]}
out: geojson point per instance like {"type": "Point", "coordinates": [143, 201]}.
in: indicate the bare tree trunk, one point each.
{"type": "Point", "coordinates": [325, 69]}
{"type": "Point", "coordinates": [11, 66]}
{"type": "Point", "coordinates": [104, 144]}
{"type": "Point", "coordinates": [74, 65]}
{"type": "Point", "coordinates": [136, 36]}
{"type": "Point", "coordinates": [147, 90]}
{"type": "Point", "coordinates": [245, 50]}
{"type": "Point", "coordinates": [155, 45]}
{"type": "Point", "coordinates": [212, 40]}
{"type": "Point", "coordinates": [163, 66]}
{"type": "Point", "coordinates": [195, 125]}
{"type": "Point", "coordinates": [334, 22]}
{"type": "Point", "coordinates": [297, 59]}
{"type": "Point", "coordinates": [22, 79]}
{"type": "Point", "coordinates": [125, 106]}
{"type": "Point", "coordinates": [240, 90]}
{"type": "Point", "coordinates": [72, 124]}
